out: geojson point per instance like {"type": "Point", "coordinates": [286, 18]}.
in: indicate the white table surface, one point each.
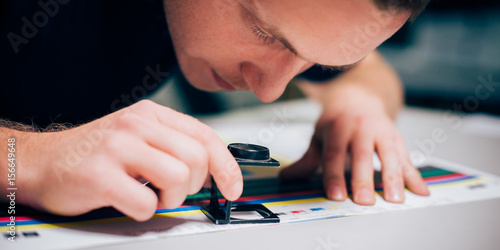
{"type": "Point", "coordinates": [474, 141]}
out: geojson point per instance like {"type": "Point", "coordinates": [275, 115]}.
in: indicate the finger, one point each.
{"type": "Point", "coordinates": [208, 182]}
{"type": "Point", "coordinates": [128, 196]}
{"type": "Point", "coordinates": [222, 165]}
{"type": "Point", "coordinates": [306, 166]}
{"type": "Point", "coordinates": [392, 172]}
{"type": "Point", "coordinates": [362, 166]}
{"type": "Point", "coordinates": [412, 176]}
{"type": "Point", "coordinates": [336, 140]}
{"type": "Point", "coordinates": [170, 175]}
{"type": "Point", "coordinates": [172, 142]}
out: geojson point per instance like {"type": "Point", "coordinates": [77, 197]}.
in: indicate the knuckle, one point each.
{"type": "Point", "coordinates": [333, 179]}
{"type": "Point", "coordinates": [171, 199]}
{"type": "Point", "coordinates": [107, 189]}
{"type": "Point", "coordinates": [196, 187]}
{"type": "Point", "coordinates": [199, 159]}
{"type": "Point", "coordinates": [405, 164]}
{"type": "Point", "coordinates": [365, 123]}
{"type": "Point", "coordinates": [145, 209]}
{"type": "Point", "coordinates": [94, 173]}
{"type": "Point", "coordinates": [131, 122]}
{"type": "Point", "coordinates": [338, 124]}
{"type": "Point", "coordinates": [362, 183]}
{"type": "Point", "coordinates": [205, 132]}
{"type": "Point", "coordinates": [389, 149]}
{"type": "Point", "coordinates": [411, 172]}
{"type": "Point", "coordinates": [333, 153]}
{"type": "Point", "coordinates": [363, 153]}
{"type": "Point", "coordinates": [113, 144]}
{"type": "Point", "coordinates": [145, 104]}
{"type": "Point", "coordinates": [181, 174]}
{"type": "Point", "coordinates": [360, 121]}
{"type": "Point", "coordinates": [171, 202]}
{"type": "Point", "coordinates": [393, 177]}
{"type": "Point", "coordinates": [90, 175]}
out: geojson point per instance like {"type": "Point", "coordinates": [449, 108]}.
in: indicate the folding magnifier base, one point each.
{"type": "Point", "coordinates": [244, 154]}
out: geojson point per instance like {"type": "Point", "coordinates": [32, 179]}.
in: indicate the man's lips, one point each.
{"type": "Point", "coordinates": [223, 84]}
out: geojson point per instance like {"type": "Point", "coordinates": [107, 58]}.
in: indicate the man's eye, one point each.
{"type": "Point", "coordinates": [268, 39]}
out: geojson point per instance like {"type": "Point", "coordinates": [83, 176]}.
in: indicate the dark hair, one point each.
{"type": "Point", "coordinates": [414, 6]}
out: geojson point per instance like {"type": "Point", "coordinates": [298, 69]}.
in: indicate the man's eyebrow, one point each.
{"type": "Point", "coordinates": [274, 32]}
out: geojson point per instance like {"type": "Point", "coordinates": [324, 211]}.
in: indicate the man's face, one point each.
{"type": "Point", "coordinates": [260, 45]}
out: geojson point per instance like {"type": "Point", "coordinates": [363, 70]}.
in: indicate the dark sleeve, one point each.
{"type": "Point", "coordinates": [318, 74]}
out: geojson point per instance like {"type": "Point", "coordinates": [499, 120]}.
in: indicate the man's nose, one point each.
{"type": "Point", "coordinates": [268, 74]}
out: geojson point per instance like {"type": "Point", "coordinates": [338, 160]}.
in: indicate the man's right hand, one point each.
{"type": "Point", "coordinates": [100, 163]}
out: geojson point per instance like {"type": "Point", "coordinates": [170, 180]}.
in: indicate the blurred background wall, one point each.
{"type": "Point", "coordinates": [443, 53]}
{"type": "Point", "coordinates": [442, 58]}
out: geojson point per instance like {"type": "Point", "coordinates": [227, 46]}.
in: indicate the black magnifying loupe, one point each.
{"type": "Point", "coordinates": [252, 155]}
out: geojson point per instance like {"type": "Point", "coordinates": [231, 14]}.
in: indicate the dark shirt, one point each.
{"type": "Point", "coordinates": [79, 57]}
{"type": "Point", "coordinates": [72, 61]}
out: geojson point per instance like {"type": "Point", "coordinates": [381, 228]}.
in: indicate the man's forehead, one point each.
{"type": "Point", "coordinates": [328, 32]}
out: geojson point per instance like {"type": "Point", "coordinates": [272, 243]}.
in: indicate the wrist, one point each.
{"type": "Point", "coordinates": [352, 98]}
{"type": "Point", "coordinates": [37, 153]}
{"type": "Point", "coordinates": [9, 162]}
{"type": "Point", "coordinates": [24, 174]}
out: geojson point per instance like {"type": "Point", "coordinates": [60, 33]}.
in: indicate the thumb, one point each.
{"type": "Point", "coordinates": [306, 166]}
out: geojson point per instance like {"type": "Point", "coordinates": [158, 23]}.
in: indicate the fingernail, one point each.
{"type": "Point", "coordinates": [364, 196]}
{"type": "Point", "coordinates": [396, 194]}
{"type": "Point", "coordinates": [426, 191]}
{"type": "Point", "coordinates": [236, 190]}
{"type": "Point", "coordinates": [335, 193]}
